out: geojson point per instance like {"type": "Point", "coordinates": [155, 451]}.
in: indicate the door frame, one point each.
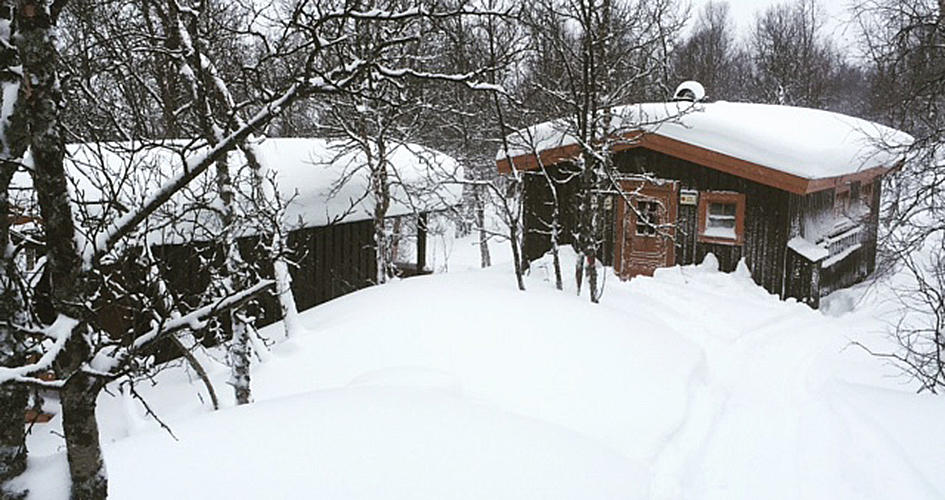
{"type": "Point", "coordinates": [666, 192]}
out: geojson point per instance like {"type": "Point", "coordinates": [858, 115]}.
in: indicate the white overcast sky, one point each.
{"type": "Point", "coordinates": [743, 13]}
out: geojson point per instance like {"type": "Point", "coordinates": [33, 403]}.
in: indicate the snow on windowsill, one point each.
{"type": "Point", "coordinates": [807, 249]}
{"type": "Point", "coordinates": [720, 232]}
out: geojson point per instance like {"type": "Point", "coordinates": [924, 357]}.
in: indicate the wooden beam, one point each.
{"type": "Point", "coordinates": [700, 156]}
{"type": "Point", "coordinates": [421, 242]}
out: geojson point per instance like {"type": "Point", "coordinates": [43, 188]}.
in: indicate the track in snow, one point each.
{"type": "Point", "coordinates": [765, 415]}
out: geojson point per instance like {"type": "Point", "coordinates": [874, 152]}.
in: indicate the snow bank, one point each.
{"type": "Point", "coordinates": [808, 250]}
{"type": "Point", "coordinates": [370, 442]}
{"type": "Point", "coordinates": [692, 383]}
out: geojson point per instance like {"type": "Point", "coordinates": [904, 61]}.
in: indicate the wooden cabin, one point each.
{"type": "Point", "coordinates": [793, 191]}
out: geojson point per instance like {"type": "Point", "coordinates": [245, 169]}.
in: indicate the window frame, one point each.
{"type": "Point", "coordinates": [727, 198]}
{"type": "Point", "coordinates": [653, 208]}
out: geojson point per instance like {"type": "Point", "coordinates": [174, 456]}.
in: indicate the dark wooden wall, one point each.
{"type": "Point", "coordinates": [539, 207]}
{"type": "Point", "coordinates": [332, 261]}
{"type": "Point", "coordinates": [772, 218]}
{"type": "Point", "coordinates": [767, 216]}
{"type": "Point", "coordinates": [328, 262]}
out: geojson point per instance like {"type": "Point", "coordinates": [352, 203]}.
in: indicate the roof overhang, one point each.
{"type": "Point", "coordinates": [698, 155]}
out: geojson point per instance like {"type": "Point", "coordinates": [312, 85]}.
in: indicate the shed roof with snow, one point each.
{"type": "Point", "coordinates": [799, 150]}
{"type": "Point", "coordinates": [321, 182]}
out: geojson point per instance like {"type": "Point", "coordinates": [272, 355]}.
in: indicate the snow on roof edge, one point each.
{"type": "Point", "coordinates": [306, 171]}
{"type": "Point", "coordinates": [807, 143]}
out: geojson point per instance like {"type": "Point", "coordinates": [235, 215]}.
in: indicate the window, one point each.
{"type": "Point", "coordinates": [841, 200]}
{"type": "Point", "coordinates": [866, 194]}
{"type": "Point", "coordinates": [722, 217]}
{"type": "Point", "coordinates": [720, 221]}
{"type": "Point", "coordinates": [648, 217]}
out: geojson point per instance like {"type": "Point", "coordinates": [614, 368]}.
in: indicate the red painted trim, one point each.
{"type": "Point", "coordinates": [700, 156]}
{"type": "Point", "coordinates": [738, 199]}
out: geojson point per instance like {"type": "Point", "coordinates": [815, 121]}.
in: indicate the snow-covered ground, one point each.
{"type": "Point", "coordinates": [690, 384]}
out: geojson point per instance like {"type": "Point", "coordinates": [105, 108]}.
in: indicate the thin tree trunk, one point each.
{"type": "Point", "coordinates": [555, 227]}
{"type": "Point", "coordinates": [13, 397]}
{"type": "Point", "coordinates": [42, 99]}
{"type": "Point", "coordinates": [592, 278]}
{"type": "Point", "coordinates": [485, 258]}
{"type": "Point", "coordinates": [198, 368]}
{"type": "Point", "coordinates": [380, 187]}
{"type": "Point", "coordinates": [592, 274]}
{"type": "Point", "coordinates": [13, 401]}
{"type": "Point", "coordinates": [240, 343]}
{"type": "Point", "coordinates": [280, 268]}
{"type": "Point", "coordinates": [579, 271]}
{"type": "Point", "coordinates": [86, 465]}
{"type": "Point", "coordinates": [556, 261]}
{"type": "Point", "coordinates": [516, 255]}
{"type": "Point", "coordinates": [241, 358]}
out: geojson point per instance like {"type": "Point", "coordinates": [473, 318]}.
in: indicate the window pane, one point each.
{"type": "Point", "coordinates": [722, 212]}
{"type": "Point", "coordinates": [647, 217]}
{"type": "Point", "coordinates": [720, 221]}
{"type": "Point", "coordinates": [717, 222]}
{"type": "Point", "coordinates": [722, 209]}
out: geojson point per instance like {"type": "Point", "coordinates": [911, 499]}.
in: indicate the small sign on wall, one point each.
{"type": "Point", "coordinates": [688, 197]}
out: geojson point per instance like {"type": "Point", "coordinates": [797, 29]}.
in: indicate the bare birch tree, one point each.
{"type": "Point", "coordinates": [792, 61]}
{"type": "Point", "coordinates": [13, 397]}
{"type": "Point", "coordinates": [905, 43]}
{"type": "Point", "coordinates": [592, 55]}
{"type": "Point", "coordinates": [84, 356]}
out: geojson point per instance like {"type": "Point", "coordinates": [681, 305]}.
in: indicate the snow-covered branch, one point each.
{"type": "Point", "coordinates": [61, 330]}
{"type": "Point", "coordinates": [193, 167]}
{"type": "Point", "coordinates": [195, 319]}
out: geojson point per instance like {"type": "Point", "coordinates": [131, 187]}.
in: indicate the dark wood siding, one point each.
{"type": "Point", "coordinates": [772, 218]}
{"type": "Point", "coordinates": [331, 261]}
{"type": "Point", "coordinates": [328, 262]}
{"type": "Point", "coordinates": [767, 219]}
{"type": "Point", "coordinates": [539, 207]}
{"type": "Point", "coordinates": [767, 216]}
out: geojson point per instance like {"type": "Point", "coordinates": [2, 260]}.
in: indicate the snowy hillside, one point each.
{"type": "Point", "coordinates": [691, 384]}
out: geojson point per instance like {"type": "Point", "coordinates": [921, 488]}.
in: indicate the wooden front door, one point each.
{"type": "Point", "coordinates": [645, 232]}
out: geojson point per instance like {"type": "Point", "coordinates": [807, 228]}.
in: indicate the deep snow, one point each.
{"type": "Point", "coordinates": [690, 384]}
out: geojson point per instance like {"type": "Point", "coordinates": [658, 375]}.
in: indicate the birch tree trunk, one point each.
{"type": "Point", "coordinates": [485, 258]}
{"type": "Point", "coordinates": [86, 465]}
{"type": "Point", "coordinates": [241, 350]}
{"type": "Point", "coordinates": [13, 398]}
{"type": "Point", "coordinates": [380, 188]}
{"type": "Point", "coordinates": [208, 87]}
{"type": "Point", "coordinates": [42, 100]}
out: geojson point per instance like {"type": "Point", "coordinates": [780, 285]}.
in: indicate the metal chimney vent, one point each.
{"type": "Point", "coordinates": [689, 91]}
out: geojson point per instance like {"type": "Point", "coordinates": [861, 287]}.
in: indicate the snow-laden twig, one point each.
{"type": "Point", "coordinates": [193, 167]}
{"type": "Point", "coordinates": [199, 315]}
{"type": "Point", "coordinates": [61, 330]}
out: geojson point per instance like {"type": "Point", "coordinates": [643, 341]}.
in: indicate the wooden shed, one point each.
{"type": "Point", "coordinates": [793, 191]}
{"type": "Point", "coordinates": [327, 210]}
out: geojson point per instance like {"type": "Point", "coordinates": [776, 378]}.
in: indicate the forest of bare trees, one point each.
{"type": "Point", "coordinates": [209, 79]}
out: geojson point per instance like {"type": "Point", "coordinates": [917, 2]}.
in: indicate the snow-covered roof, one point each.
{"type": "Point", "coordinates": [801, 143]}
{"type": "Point", "coordinates": [321, 182]}
{"type": "Point", "coordinates": [308, 171]}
